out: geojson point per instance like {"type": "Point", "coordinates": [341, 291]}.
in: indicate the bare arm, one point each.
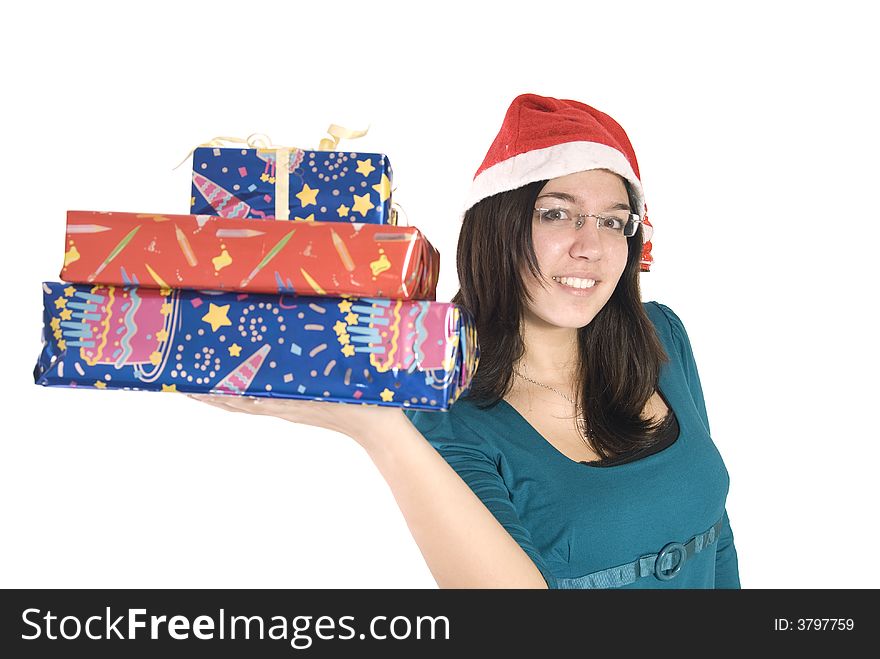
{"type": "Point", "coordinates": [462, 542]}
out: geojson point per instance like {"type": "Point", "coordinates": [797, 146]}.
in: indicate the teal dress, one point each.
{"type": "Point", "coordinates": [589, 526]}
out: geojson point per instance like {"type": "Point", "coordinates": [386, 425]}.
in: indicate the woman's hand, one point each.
{"type": "Point", "coordinates": [361, 422]}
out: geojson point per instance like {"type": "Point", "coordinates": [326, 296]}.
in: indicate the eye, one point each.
{"type": "Point", "coordinates": [555, 214]}
{"type": "Point", "coordinates": [613, 223]}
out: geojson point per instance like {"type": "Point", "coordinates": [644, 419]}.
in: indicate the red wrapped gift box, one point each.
{"type": "Point", "coordinates": [254, 256]}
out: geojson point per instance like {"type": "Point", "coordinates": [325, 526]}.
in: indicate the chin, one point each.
{"type": "Point", "coordinates": [580, 322]}
{"type": "Point", "coordinates": [568, 319]}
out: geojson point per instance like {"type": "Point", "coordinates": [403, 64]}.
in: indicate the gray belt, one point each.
{"type": "Point", "coordinates": [664, 565]}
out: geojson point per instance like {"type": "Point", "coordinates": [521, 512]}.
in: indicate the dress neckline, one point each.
{"type": "Point", "coordinates": [597, 464]}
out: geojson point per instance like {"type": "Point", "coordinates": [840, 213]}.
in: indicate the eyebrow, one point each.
{"type": "Point", "coordinates": [564, 196]}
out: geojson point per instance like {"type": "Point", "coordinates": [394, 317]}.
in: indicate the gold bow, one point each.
{"type": "Point", "coordinates": [261, 141]}
{"type": "Point", "coordinates": [337, 133]}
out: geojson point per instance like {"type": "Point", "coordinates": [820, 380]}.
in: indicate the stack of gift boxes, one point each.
{"type": "Point", "coordinates": [290, 278]}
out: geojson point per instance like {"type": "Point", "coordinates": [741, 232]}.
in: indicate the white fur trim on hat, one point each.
{"type": "Point", "coordinates": [553, 162]}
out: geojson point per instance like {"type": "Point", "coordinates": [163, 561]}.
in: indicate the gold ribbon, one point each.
{"type": "Point", "coordinates": [337, 133]}
{"type": "Point", "coordinates": [282, 183]}
{"type": "Point", "coordinates": [393, 219]}
{"type": "Point", "coordinates": [282, 158]}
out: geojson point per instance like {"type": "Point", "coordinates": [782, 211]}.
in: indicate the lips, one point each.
{"type": "Point", "coordinates": [576, 285]}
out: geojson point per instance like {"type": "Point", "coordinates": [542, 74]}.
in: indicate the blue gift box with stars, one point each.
{"type": "Point", "coordinates": [292, 184]}
{"type": "Point", "coordinates": [405, 353]}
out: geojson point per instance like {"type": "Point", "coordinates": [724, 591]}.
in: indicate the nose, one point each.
{"type": "Point", "coordinates": [587, 241]}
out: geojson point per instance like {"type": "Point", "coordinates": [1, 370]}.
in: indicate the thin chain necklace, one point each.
{"type": "Point", "coordinates": [581, 424]}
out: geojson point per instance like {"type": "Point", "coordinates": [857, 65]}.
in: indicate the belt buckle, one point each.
{"type": "Point", "coordinates": [668, 549]}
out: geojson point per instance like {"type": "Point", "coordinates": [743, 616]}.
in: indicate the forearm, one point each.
{"type": "Point", "coordinates": [461, 541]}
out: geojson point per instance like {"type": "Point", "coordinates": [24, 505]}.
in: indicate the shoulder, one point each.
{"type": "Point", "coordinates": [665, 319]}
{"type": "Point", "coordinates": [460, 425]}
{"type": "Point", "coordinates": [669, 327]}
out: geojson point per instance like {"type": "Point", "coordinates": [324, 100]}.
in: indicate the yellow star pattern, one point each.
{"type": "Point", "coordinates": [55, 324]}
{"type": "Point", "coordinates": [101, 385]}
{"type": "Point", "coordinates": [217, 316]}
{"type": "Point", "coordinates": [62, 344]}
{"type": "Point", "coordinates": [156, 358]}
{"type": "Point", "coordinates": [339, 327]}
{"type": "Point", "coordinates": [351, 318]}
{"type": "Point", "coordinates": [365, 167]}
{"type": "Point", "coordinates": [387, 395]}
{"type": "Point", "coordinates": [362, 204]}
{"type": "Point", "coordinates": [169, 387]}
{"type": "Point", "coordinates": [307, 196]}
{"type": "Point", "coordinates": [342, 211]}
{"type": "Point", "coordinates": [166, 309]}
{"type": "Point", "coordinates": [162, 335]}
{"type": "Point", "coordinates": [344, 306]}
{"type": "Point", "coordinates": [344, 339]}
{"type": "Point", "coordinates": [69, 291]}
{"type": "Point", "coordinates": [61, 303]}
{"type": "Point", "coordinates": [235, 350]}
{"type": "Point", "coordinates": [383, 188]}
{"type": "Point", "coordinates": [310, 218]}
{"type": "Point", "coordinates": [348, 350]}
{"type": "Point", "coordinates": [66, 314]}
{"type": "Point", "coordinates": [164, 292]}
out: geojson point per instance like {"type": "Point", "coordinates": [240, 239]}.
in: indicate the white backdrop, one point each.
{"type": "Point", "coordinates": [756, 132]}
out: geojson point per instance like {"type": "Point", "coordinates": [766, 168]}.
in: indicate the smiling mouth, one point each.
{"type": "Point", "coordinates": [576, 282]}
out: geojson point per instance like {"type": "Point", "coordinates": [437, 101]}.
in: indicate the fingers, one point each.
{"type": "Point", "coordinates": [344, 419]}
{"type": "Point", "coordinates": [228, 403]}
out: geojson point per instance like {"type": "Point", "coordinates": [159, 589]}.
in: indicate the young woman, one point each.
{"type": "Point", "coordinates": [581, 455]}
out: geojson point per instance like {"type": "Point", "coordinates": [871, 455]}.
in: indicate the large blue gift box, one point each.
{"type": "Point", "coordinates": [406, 353]}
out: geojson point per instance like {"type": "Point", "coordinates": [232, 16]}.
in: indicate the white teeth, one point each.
{"type": "Point", "coordinates": [575, 282]}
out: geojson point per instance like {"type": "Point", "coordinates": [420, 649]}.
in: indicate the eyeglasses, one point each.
{"type": "Point", "coordinates": [561, 219]}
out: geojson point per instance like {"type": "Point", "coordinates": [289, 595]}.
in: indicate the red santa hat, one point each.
{"type": "Point", "coordinates": [544, 138]}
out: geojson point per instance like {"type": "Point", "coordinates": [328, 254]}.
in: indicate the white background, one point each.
{"type": "Point", "coordinates": [756, 131]}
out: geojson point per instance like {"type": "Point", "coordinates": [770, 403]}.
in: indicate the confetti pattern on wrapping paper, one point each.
{"type": "Point", "coordinates": [324, 186]}
{"type": "Point", "coordinates": [386, 351]}
{"type": "Point", "coordinates": [254, 256]}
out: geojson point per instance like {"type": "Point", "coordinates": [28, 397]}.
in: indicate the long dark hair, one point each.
{"type": "Point", "coordinates": [619, 352]}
